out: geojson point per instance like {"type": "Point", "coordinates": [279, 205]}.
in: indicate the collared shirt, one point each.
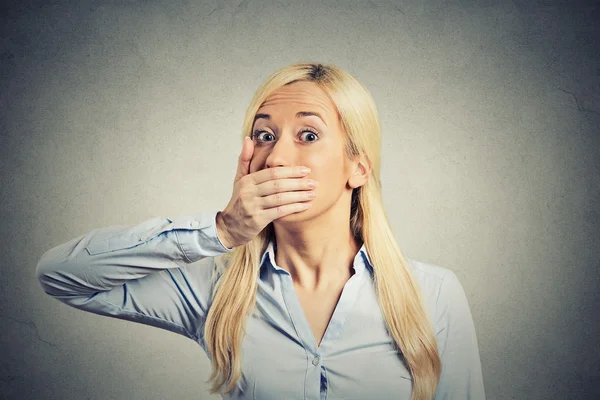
{"type": "Point", "coordinates": [161, 272]}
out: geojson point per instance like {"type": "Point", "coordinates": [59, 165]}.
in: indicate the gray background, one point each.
{"type": "Point", "coordinates": [117, 111]}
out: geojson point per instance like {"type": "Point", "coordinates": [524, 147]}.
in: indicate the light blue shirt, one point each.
{"type": "Point", "coordinates": [144, 273]}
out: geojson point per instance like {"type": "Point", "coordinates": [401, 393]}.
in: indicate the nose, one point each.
{"type": "Point", "coordinates": [283, 152]}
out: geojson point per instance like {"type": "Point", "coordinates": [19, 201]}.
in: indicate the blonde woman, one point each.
{"type": "Point", "coordinates": [297, 292]}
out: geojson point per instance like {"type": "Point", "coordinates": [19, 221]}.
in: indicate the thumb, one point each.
{"type": "Point", "coordinates": [243, 168]}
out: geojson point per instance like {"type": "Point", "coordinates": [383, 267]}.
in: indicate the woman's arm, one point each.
{"type": "Point", "coordinates": [461, 376]}
{"type": "Point", "coordinates": [134, 272]}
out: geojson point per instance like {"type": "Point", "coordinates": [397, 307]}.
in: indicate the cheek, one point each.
{"type": "Point", "coordinates": [332, 172]}
{"type": "Point", "coordinates": [332, 181]}
{"type": "Point", "coordinates": [330, 184]}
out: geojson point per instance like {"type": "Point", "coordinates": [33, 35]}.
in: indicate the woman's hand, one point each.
{"type": "Point", "coordinates": [260, 198]}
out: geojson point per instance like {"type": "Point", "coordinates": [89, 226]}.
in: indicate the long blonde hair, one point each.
{"type": "Point", "coordinates": [398, 294]}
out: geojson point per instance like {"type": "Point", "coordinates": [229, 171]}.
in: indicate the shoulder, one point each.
{"type": "Point", "coordinates": [439, 286]}
{"type": "Point", "coordinates": [430, 277]}
{"type": "Point", "coordinates": [426, 271]}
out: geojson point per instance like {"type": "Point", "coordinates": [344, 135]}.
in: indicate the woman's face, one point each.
{"type": "Point", "coordinates": [282, 138]}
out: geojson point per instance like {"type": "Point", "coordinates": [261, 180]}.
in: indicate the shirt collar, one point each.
{"type": "Point", "coordinates": [361, 259]}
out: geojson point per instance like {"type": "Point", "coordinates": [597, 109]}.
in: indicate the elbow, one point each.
{"type": "Point", "coordinates": [43, 272]}
{"type": "Point", "coordinates": [43, 265]}
{"type": "Point", "coordinates": [63, 271]}
{"type": "Point", "coordinates": [48, 272]}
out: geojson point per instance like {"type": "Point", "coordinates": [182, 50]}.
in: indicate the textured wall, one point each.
{"type": "Point", "coordinates": [116, 111]}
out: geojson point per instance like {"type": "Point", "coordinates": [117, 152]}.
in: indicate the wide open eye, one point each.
{"type": "Point", "coordinates": [257, 134]}
{"type": "Point", "coordinates": [311, 134]}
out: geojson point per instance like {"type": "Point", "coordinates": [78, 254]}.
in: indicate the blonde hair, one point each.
{"type": "Point", "coordinates": [398, 294]}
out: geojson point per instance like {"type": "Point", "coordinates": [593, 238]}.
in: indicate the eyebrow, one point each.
{"type": "Point", "coordinates": [299, 114]}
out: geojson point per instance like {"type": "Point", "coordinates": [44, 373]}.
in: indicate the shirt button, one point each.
{"type": "Point", "coordinates": [143, 238]}
{"type": "Point", "coordinates": [195, 224]}
{"type": "Point", "coordinates": [315, 361]}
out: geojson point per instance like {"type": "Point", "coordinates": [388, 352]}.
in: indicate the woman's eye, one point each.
{"type": "Point", "coordinates": [310, 134]}
{"type": "Point", "coordinates": [257, 134]}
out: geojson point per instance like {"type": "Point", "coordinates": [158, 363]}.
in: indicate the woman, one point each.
{"type": "Point", "coordinates": [293, 296]}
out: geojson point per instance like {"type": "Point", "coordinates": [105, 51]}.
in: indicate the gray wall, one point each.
{"type": "Point", "coordinates": [116, 111]}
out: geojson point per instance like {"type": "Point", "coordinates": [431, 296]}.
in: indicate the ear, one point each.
{"type": "Point", "coordinates": [361, 169]}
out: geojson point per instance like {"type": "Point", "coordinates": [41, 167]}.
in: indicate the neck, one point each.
{"type": "Point", "coordinates": [318, 252]}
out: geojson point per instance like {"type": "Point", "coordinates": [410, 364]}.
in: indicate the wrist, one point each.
{"type": "Point", "coordinates": [222, 233]}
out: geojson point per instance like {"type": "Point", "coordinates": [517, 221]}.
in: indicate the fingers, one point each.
{"type": "Point", "coordinates": [284, 198]}
{"type": "Point", "coordinates": [247, 149]}
{"type": "Point", "coordinates": [269, 174]}
{"type": "Point", "coordinates": [285, 185]}
{"type": "Point", "coordinates": [244, 159]}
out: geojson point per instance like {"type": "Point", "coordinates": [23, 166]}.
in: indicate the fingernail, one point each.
{"type": "Point", "coordinates": [305, 170]}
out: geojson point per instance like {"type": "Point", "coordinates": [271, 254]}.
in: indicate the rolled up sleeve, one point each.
{"type": "Point", "coordinates": [139, 272]}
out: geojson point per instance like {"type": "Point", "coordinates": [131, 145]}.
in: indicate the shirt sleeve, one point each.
{"type": "Point", "coordinates": [139, 272]}
{"type": "Point", "coordinates": [461, 376]}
